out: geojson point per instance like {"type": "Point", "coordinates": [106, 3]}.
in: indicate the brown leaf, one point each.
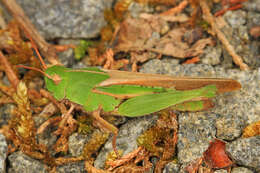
{"type": "Point", "coordinates": [215, 156]}
{"type": "Point", "coordinates": [172, 44]}
{"type": "Point", "coordinates": [133, 35]}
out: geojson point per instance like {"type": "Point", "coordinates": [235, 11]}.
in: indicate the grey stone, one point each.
{"type": "Point", "coordinates": [253, 19]}
{"type": "Point", "coordinates": [241, 170]}
{"type": "Point", "coordinates": [48, 138]}
{"type": "Point", "coordinates": [171, 167]}
{"type": "Point", "coordinates": [196, 130]}
{"type": "Point", "coordinates": [20, 162]}
{"type": "Point", "coordinates": [229, 127]}
{"type": "Point", "coordinates": [3, 153]}
{"type": "Point", "coordinates": [77, 167]}
{"type": "Point", "coordinates": [5, 114]}
{"type": "Point", "coordinates": [66, 18]}
{"type": "Point", "coordinates": [76, 143]}
{"type": "Point", "coordinates": [253, 5]}
{"type": "Point", "coordinates": [235, 18]}
{"type": "Point", "coordinates": [245, 152]}
{"type": "Point", "coordinates": [212, 55]}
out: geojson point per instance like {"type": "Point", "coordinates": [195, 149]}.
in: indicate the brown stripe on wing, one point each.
{"type": "Point", "coordinates": [179, 83]}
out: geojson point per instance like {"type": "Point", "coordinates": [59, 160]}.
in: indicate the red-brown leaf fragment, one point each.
{"type": "Point", "coordinates": [215, 156]}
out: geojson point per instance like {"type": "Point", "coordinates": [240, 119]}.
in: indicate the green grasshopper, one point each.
{"type": "Point", "coordinates": [131, 94]}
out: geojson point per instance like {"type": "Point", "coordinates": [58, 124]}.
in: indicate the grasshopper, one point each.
{"type": "Point", "coordinates": [131, 94]}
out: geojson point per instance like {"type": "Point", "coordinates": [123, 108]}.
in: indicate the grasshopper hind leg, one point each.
{"type": "Point", "coordinates": [104, 124]}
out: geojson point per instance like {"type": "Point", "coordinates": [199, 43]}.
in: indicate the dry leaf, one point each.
{"type": "Point", "coordinates": [133, 34]}
{"type": "Point", "coordinates": [215, 156]}
{"type": "Point", "coordinates": [172, 44]}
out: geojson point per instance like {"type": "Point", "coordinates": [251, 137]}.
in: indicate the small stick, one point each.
{"type": "Point", "coordinates": [210, 19]}
{"type": "Point", "coordinates": [46, 94]}
{"type": "Point", "coordinates": [66, 116]}
{"type": "Point", "coordinates": [9, 71]}
{"type": "Point", "coordinates": [124, 159]}
{"type": "Point", "coordinates": [221, 12]}
{"type": "Point", "coordinates": [47, 123]}
{"type": "Point", "coordinates": [176, 10]}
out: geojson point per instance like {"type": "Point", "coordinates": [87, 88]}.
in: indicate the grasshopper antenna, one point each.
{"type": "Point", "coordinates": [37, 51]}
{"type": "Point", "coordinates": [56, 79]}
{"type": "Point", "coordinates": [33, 68]}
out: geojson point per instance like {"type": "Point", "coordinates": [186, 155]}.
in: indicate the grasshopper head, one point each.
{"type": "Point", "coordinates": [55, 80]}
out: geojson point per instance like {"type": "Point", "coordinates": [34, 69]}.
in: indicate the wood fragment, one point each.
{"type": "Point", "coordinates": [211, 20]}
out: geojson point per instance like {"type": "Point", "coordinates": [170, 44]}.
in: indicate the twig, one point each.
{"type": "Point", "coordinates": [61, 107]}
{"type": "Point", "coordinates": [67, 118]}
{"type": "Point", "coordinates": [211, 20]}
{"type": "Point", "coordinates": [124, 159]}
{"type": "Point", "coordinates": [175, 10]}
{"type": "Point", "coordinates": [48, 50]}
{"type": "Point", "coordinates": [47, 123]}
{"type": "Point", "coordinates": [221, 12]}
{"type": "Point", "coordinates": [9, 71]}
